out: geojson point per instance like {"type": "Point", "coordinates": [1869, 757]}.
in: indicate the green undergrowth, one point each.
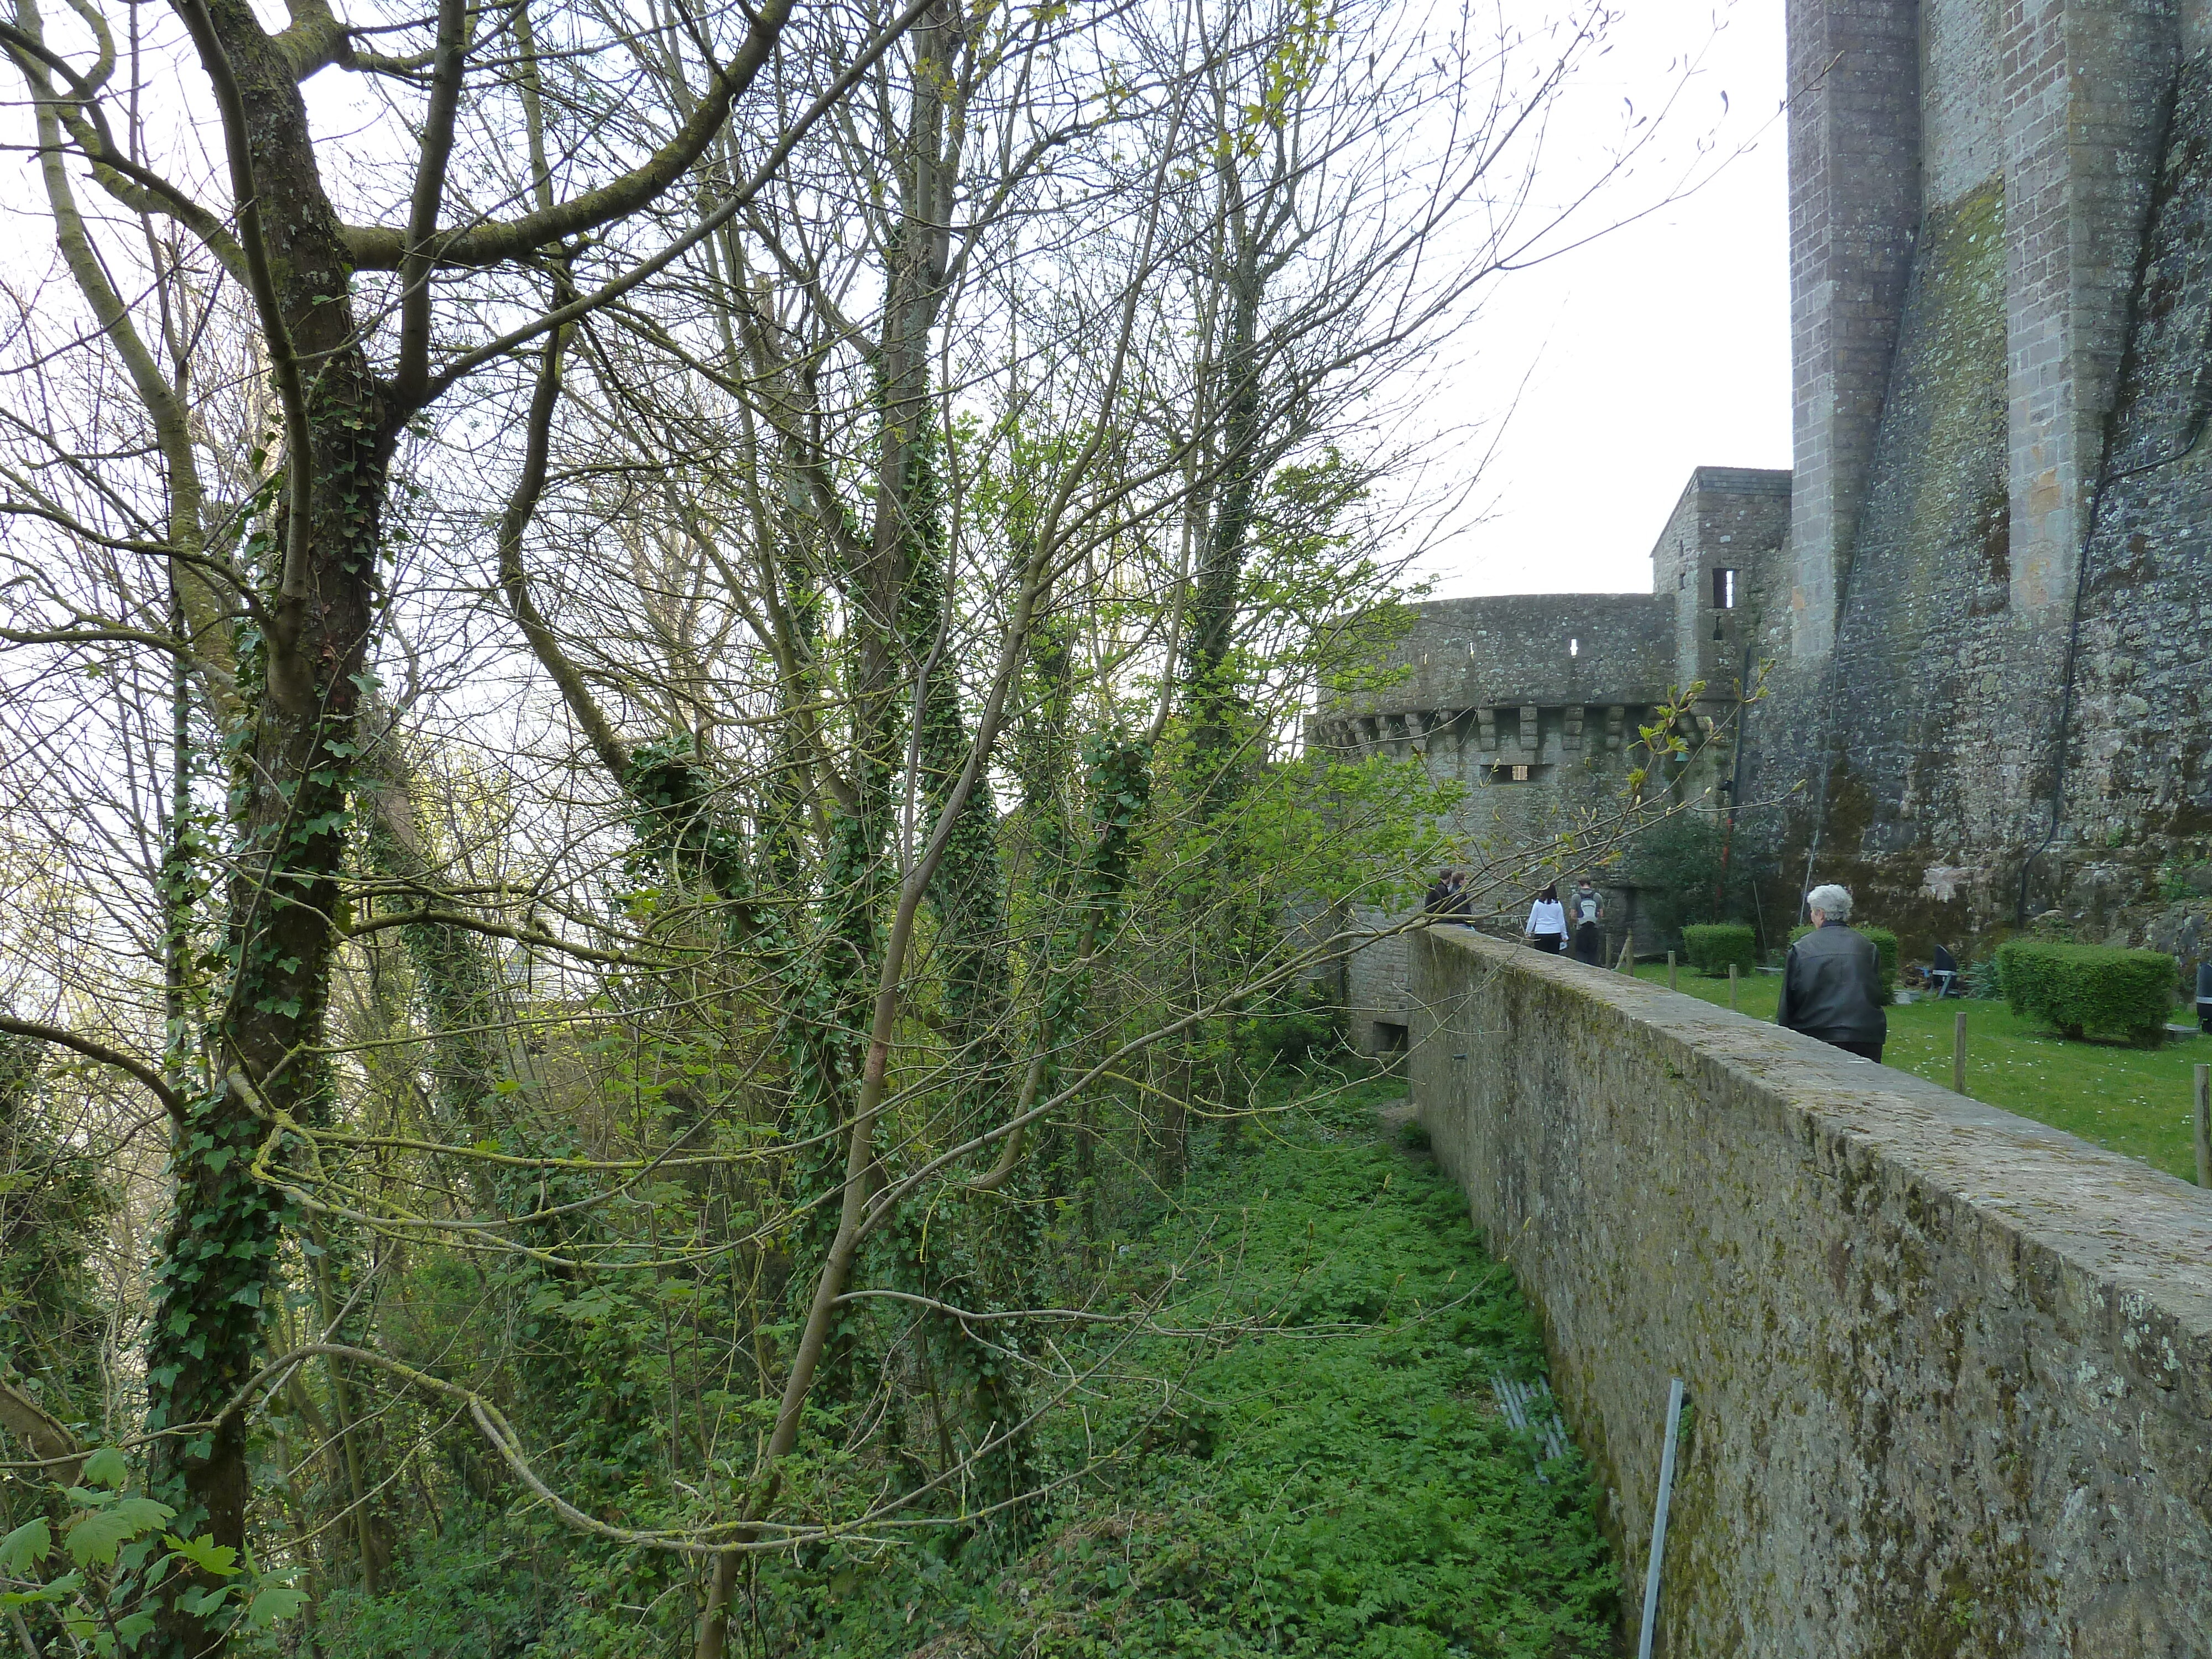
{"type": "Point", "coordinates": [2136, 1101]}
{"type": "Point", "coordinates": [1321, 1472]}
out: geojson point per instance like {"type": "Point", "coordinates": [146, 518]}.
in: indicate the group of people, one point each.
{"type": "Point", "coordinates": [1831, 980]}
{"type": "Point", "coordinates": [1449, 897]}
{"type": "Point", "coordinates": [1550, 921]}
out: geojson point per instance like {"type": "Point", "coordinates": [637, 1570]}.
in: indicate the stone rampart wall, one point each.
{"type": "Point", "coordinates": [1542, 649]}
{"type": "Point", "coordinates": [2141, 772]}
{"type": "Point", "coordinates": [1951, 1371]}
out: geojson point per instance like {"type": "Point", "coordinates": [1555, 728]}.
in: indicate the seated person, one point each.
{"type": "Point", "coordinates": [1944, 973]}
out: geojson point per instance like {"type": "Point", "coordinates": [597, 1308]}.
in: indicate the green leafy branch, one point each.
{"type": "Point", "coordinates": [119, 1551]}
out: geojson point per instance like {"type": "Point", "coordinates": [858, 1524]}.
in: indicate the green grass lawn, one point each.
{"type": "Point", "coordinates": [2132, 1100]}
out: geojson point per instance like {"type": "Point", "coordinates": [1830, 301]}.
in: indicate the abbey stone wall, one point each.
{"type": "Point", "coordinates": [1979, 607]}
{"type": "Point", "coordinates": [1999, 296]}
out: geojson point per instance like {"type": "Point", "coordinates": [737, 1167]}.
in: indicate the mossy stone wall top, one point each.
{"type": "Point", "coordinates": [1951, 1370]}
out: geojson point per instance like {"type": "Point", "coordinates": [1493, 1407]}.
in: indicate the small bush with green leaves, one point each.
{"type": "Point", "coordinates": [1713, 947]}
{"type": "Point", "coordinates": [1683, 873]}
{"type": "Point", "coordinates": [2177, 879]}
{"type": "Point", "coordinates": [1885, 949]}
{"type": "Point", "coordinates": [1294, 1027]}
{"type": "Point", "coordinates": [2080, 988]}
{"type": "Point", "coordinates": [119, 1551]}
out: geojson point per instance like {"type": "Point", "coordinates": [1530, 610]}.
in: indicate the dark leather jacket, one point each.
{"type": "Point", "coordinates": [1831, 987]}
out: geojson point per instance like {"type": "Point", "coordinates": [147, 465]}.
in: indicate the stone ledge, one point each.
{"type": "Point", "coordinates": [1953, 1370]}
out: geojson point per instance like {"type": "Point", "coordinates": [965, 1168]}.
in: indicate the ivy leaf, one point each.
{"type": "Point", "coordinates": [25, 1548]}
{"type": "Point", "coordinates": [57, 1591]}
{"type": "Point", "coordinates": [97, 1537]}
{"type": "Point", "coordinates": [205, 1553]}
{"type": "Point", "coordinates": [276, 1601]}
{"type": "Point", "coordinates": [203, 1603]}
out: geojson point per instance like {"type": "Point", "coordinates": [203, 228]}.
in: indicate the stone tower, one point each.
{"type": "Point", "coordinates": [1993, 692]}
{"type": "Point", "coordinates": [1536, 703]}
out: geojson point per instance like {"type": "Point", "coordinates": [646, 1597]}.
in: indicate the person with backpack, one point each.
{"type": "Point", "coordinates": [1586, 911]}
{"type": "Point", "coordinates": [1437, 901]}
{"type": "Point", "coordinates": [1832, 982]}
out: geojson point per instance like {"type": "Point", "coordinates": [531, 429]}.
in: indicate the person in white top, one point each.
{"type": "Point", "coordinates": [1547, 921]}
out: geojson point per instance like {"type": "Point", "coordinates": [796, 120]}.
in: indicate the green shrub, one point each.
{"type": "Point", "coordinates": [2079, 989]}
{"type": "Point", "coordinates": [1980, 980]}
{"type": "Point", "coordinates": [1712, 946]}
{"type": "Point", "coordinates": [1683, 876]}
{"type": "Point", "coordinates": [1294, 1027]}
{"type": "Point", "coordinates": [1885, 949]}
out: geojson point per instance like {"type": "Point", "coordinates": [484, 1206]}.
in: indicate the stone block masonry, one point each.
{"type": "Point", "coordinates": [1950, 1370]}
{"type": "Point", "coordinates": [1979, 608]}
{"type": "Point", "coordinates": [1716, 558]}
{"type": "Point", "coordinates": [2140, 765]}
{"type": "Point", "coordinates": [1854, 201]}
{"type": "Point", "coordinates": [2036, 299]}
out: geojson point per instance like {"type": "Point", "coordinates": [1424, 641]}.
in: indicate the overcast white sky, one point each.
{"type": "Point", "coordinates": [1662, 346]}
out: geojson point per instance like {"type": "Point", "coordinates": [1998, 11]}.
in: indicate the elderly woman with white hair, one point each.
{"type": "Point", "coordinates": [1831, 984]}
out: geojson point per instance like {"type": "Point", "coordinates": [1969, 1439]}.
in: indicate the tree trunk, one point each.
{"type": "Point", "coordinates": [288, 808]}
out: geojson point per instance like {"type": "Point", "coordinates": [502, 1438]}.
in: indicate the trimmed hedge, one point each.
{"type": "Point", "coordinates": [2080, 988]}
{"type": "Point", "coordinates": [1711, 946]}
{"type": "Point", "coordinates": [1885, 948]}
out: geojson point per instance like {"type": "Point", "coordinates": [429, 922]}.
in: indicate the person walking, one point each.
{"type": "Point", "coordinates": [1586, 911]}
{"type": "Point", "coordinates": [1547, 921]}
{"type": "Point", "coordinates": [1832, 982]}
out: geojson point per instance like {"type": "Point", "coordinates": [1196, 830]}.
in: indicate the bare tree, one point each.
{"type": "Point", "coordinates": [726, 597]}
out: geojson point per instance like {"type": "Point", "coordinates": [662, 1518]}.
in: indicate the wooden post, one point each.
{"type": "Point", "coordinates": [2204, 1126]}
{"type": "Point", "coordinates": [1627, 962]}
{"type": "Point", "coordinates": [1670, 970]}
{"type": "Point", "coordinates": [1959, 1053]}
{"type": "Point", "coordinates": [1731, 986]}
